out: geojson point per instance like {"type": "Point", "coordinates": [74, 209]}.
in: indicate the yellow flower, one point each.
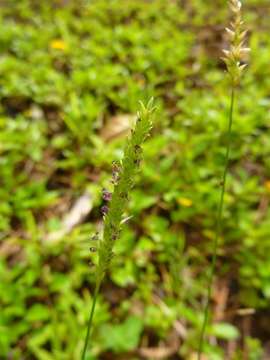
{"type": "Point", "coordinates": [185, 202]}
{"type": "Point", "coordinates": [58, 44]}
{"type": "Point", "coordinates": [267, 185]}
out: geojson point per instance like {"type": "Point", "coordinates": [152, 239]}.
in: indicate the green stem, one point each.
{"type": "Point", "coordinates": [90, 321]}
{"type": "Point", "coordinates": [218, 227]}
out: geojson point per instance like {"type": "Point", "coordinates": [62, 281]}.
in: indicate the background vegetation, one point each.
{"type": "Point", "coordinates": [71, 76]}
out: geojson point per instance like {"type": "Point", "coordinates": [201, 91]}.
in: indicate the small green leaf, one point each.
{"type": "Point", "coordinates": [225, 331]}
{"type": "Point", "coordinates": [122, 337]}
{"type": "Point", "coordinates": [38, 312]}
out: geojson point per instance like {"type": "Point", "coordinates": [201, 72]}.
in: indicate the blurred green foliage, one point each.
{"type": "Point", "coordinates": [67, 70]}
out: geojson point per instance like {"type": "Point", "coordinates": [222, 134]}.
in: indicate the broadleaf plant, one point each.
{"type": "Point", "coordinates": [123, 179]}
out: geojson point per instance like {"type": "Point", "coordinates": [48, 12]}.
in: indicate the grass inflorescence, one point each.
{"type": "Point", "coordinates": [233, 59]}
{"type": "Point", "coordinates": [123, 175]}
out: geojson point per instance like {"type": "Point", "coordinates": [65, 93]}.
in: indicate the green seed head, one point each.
{"type": "Point", "coordinates": [123, 180]}
{"type": "Point", "coordinates": [235, 54]}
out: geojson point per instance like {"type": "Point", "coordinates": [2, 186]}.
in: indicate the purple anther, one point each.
{"type": "Point", "coordinates": [104, 210]}
{"type": "Point", "coordinates": [106, 195]}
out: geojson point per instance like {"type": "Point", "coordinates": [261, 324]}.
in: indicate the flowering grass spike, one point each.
{"type": "Point", "coordinates": [234, 61]}
{"type": "Point", "coordinates": [234, 56]}
{"type": "Point", "coordinates": [123, 176]}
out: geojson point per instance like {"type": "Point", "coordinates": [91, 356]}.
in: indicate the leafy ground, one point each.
{"type": "Point", "coordinates": [71, 76]}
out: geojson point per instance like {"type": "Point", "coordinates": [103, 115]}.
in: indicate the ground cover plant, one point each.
{"type": "Point", "coordinates": [72, 75]}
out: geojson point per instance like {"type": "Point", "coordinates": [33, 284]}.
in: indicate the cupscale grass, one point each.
{"type": "Point", "coordinates": [233, 58]}
{"type": "Point", "coordinates": [123, 179]}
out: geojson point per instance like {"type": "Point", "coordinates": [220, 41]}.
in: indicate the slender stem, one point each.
{"type": "Point", "coordinates": [218, 227]}
{"type": "Point", "coordinates": [90, 321]}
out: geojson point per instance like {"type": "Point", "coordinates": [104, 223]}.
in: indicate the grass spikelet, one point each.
{"type": "Point", "coordinates": [235, 54]}
{"type": "Point", "coordinates": [233, 58]}
{"type": "Point", "coordinates": [123, 175]}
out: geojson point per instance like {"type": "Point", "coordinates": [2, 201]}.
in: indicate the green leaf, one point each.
{"type": "Point", "coordinates": [38, 312]}
{"type": "Point", "coordinates": [225, 331]}
{"type": "Point", "coordinates": [122, 337]}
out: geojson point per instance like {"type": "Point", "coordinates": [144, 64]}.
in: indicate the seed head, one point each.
{"type": "Point", "coordinates": [124, 173]}
{"type": "Point", "coordinates": [234, 56]}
